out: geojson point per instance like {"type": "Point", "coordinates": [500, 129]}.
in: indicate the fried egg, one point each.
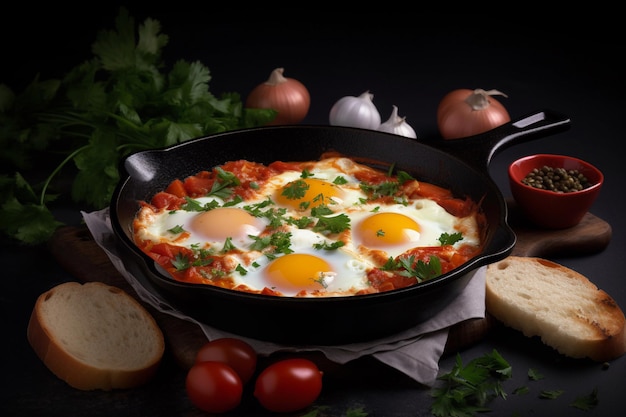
{"type": "Point", "coordinates": [329, 186]}
{"type": "Point", "coordinates": [205, 229]}
{"type": "Point", "coordinates": [397, 228]}
{"type": "Point", "coordinates": [312, 261]}
{"type": "Point", "coordinates": [329, 272]}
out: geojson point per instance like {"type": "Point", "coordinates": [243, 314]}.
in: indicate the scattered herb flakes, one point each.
{"type": "Point", "coordinates": [586, 402]}
{"type": "Point", "coordinates": [534, 375]}
{"type": "Point", "coordinates": [320, 411]}
{"type": "Point", "coordinates": [521, 390]}
{"type": "Point", "coordinates": [467, 389]}
{"type": "Point", "coordinates": [356, 412]}
{"type": "Point", "coordinates": [551, 394]}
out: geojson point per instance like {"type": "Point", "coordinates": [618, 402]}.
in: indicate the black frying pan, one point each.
{"type": "Point", "coordinates": [460, 165]}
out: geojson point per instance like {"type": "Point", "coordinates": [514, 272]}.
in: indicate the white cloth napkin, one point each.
{"type": "Point", "coordinates": [414, 352]}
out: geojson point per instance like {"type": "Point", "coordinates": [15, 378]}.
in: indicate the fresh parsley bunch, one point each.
{"type": "Point", "coordinates": [116, 103]}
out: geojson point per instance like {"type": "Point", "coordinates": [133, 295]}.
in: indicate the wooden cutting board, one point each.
{"type": "Point", "coordinates": [80, 255]}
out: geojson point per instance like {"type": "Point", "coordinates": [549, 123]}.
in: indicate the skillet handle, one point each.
{"type": "Point", "coordinates": [478, 150]}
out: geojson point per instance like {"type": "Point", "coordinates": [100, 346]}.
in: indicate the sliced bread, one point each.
{"type": "Point", "coordinates": [95, 336]}
{"type": "Point", "coordinates": [561, 306]}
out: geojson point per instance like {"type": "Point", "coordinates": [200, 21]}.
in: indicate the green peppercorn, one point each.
{"type": "Point", "coordinates": [558, 180]}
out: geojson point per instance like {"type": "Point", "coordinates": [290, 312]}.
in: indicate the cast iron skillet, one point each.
{"type": "Point", "coordinates": [460, 165]}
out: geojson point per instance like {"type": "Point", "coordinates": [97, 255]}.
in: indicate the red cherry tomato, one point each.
{"type": "Point", "coordinates": [213, 387]}
{"type": "Point", "coordinates": [288, 385]}
{"type": "Point", "coordinates": [235, 352]}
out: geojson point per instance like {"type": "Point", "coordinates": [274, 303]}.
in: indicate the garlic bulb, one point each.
{"type": "Point", "coordinates": [355, 112]}
{"type": "Point", "coordinates": [397, 125]}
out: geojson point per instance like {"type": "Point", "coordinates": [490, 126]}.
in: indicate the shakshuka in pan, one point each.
{"type": "Point", "coordinates": [323, 228]}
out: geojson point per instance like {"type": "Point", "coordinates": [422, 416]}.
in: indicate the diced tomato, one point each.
{"type": "Point", "coordinates": [164, 200]}
{"type": "Point", "coordinates": [247, 171]}
{"type": "Point", "coordinates": [198, 185]}
{"type": "Point", "coordinates": [163, 249]}
{"type": "Point", "coordinates": [177, 188]}
{"type": "Point", "coordinates": [384, 281]}
{"type": "Point", "coordinates": [281, 166]}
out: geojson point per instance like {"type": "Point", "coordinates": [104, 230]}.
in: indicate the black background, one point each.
{"type": "Point", "coordinates": [408, 59]}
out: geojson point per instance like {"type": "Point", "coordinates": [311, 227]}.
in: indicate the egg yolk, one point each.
{"type": "Point", "coordinates": [387, 229]}
{"type": "Point", "coordinates": [224, 222]}
{"type": "Point", "coordinates": [307, 193]}
{"type": "Point", "coordinates": [294, 272]}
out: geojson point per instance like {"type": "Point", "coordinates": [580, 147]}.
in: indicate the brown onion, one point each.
{"type": "Point", "coordinates": [289, 97]}
{"type": "Point", "coordinates": [465, 112]}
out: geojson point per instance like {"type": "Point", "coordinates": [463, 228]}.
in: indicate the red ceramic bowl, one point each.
{"type": "Point", "coordinates": [550, 209]}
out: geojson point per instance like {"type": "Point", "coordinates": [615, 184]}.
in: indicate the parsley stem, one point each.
{"type": "Point", "coordinates": [56, 171]}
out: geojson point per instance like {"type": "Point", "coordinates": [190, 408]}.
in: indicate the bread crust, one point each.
{"type": "Point", "coordinates": [559, 305]}
{"type": "Point", "coordinates": [82, 372]}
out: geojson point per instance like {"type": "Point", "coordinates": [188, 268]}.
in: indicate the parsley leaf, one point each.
{"type": "Point", "coordinates": [332, 224]}
{"type": "Point", "coordinates": [194, 205]}
{"type": "Point", "coordinates": [450, 239]}
{"type": "Point", "coordinates": [586, 402]}
{"type": "Point", "coordinates": [295, 190]}
{"type": "Point", "coordinates": [534, 375]}
{"type": "Point", "coordinates": [386, 188]}
{"type": "Point", "coordinates": [551, 394]}
{"type": "Point", "coordinates": [181, 262]}
{"type": "Point", "coordinates": [223, 187]}
{"type": "Point", "coordinates": [329, 246]}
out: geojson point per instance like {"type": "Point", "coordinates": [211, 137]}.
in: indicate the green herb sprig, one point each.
{"type": "Point", "coordinates": [121, 101]}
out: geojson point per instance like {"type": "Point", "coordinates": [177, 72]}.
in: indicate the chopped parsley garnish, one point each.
{"type": "Point", "coordinates": [300, 223]}
{"type": "Point", "coordinates": [332, 224]}
{"type": "Point", "coordinates": [306, 174]}
{"type": "Point", "coordinates": [236, 200]}
{"type": "Point", "coordinates": [280, 241]}
{"type": "Point", "coordinates": [408, 267]}
{"type": "Point", "coordinates": [329, 246]}
{"type": "Point", "coordinates": [181, 262]}
{"type": "Point", "coordinates": [450, 239]}
{"type": "Point", "coordinates": [176, 229]}
{"type": "Point", "coordinates": [295, 190]}
{"type": "Point", "coordinates": [384, 189]}
{"type": "Point", "coordinates": [228, 245]}
{"type": "Point", "coordinates": [194, 205]}
{"type": "Point", "coordinates": [201, 257]}
{"type": "Point", "coordinates": [404, 176]}
{"type": "Point", "coordinates": [223, 186]}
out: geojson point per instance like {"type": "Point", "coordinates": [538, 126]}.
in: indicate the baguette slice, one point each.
{"type": "Point", "coordinates": [561, 306]}
{"type": "Point", "coordinates": [95, 336]}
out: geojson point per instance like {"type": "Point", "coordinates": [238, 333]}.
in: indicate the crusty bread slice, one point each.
{"type": "Point", "coordinates": [561, 306]}
{"type": "Point", "coordinates": [95, 336]}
